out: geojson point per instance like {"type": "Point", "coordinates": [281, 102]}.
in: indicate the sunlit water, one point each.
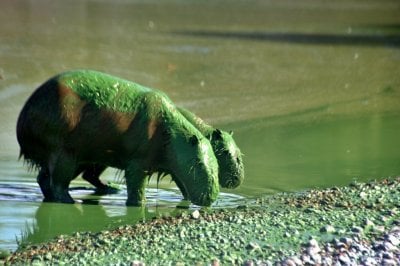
{"type": "Point", "coordinates": [310, 88]}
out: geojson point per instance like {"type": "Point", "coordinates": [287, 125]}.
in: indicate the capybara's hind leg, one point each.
{"type": "Point", "coordinates": [92, 174]}
{"type": "Point", "coordinates": [43, 180]}
{"type": "Point", "coordinates": [62, 172]}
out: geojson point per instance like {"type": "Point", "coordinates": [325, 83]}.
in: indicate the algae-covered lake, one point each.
{"type": "Point", "coordinates": [310, 88]}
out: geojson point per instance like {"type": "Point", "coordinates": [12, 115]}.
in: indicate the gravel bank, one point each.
{"type": "Point", "coordinates": [354, 225]}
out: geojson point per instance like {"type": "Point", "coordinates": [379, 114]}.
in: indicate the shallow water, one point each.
{"type": "Point", "coordinates": [310, 88]}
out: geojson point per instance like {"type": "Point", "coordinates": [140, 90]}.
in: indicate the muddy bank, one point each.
{"type": "Point", "coordinates": [353, 224]}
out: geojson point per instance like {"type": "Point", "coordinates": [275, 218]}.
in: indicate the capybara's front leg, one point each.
{"type": "Point", "coordinates": [181, 188]}
{"type": "Point", "coordinates": [135, 185]}
{"type": "Point", "coordinates": [62, 171]}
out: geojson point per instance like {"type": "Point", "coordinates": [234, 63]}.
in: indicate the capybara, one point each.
{"type": "Point", "coordinates": [85, 118]}
{"type": "Point", "coordinates": [229, 157]}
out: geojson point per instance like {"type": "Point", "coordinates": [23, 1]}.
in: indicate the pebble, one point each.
{"type": "Point", "coordinates": [344, 258]}
{"type": "Point", "coordinates": [290, 262]}
{"type": "Point", "coordinates": [352, 251]}
{"type": "Point", "coordinates": [328, 229]}
{"type": "Point", "coordinates": [393, 239]}
{"type": "Point", "coordinates": [389, 262]}
{"type": "Point", "coordinates": [357, 230]}
{"type": "Point", "coordinates": [368, 223]}
{"type": "Point", "coordinates": [368, 261]}
{"type": "Point", "coordinates": [253, 246]}
{"type": "Point", "coordinates": [137, 263]}
{"type": "Point", "coordinates": [346, 240]}
{"type": "Point", "coordinates": [196, 214]}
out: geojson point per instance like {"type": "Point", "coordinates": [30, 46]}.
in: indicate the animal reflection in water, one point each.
{"type": "Point", "coordinates": [84, 121]}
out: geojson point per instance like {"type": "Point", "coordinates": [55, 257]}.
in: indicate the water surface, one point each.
{"type": "Point", "coordinates": [310, 88]}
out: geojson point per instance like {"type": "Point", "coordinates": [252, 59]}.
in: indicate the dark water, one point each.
{"type": "Point", "coordinates": [310, 88]}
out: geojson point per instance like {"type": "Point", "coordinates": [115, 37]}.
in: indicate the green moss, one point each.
{"type": "Point", "coordinates": [104, 90]}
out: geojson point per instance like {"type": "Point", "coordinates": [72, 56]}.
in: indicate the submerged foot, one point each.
{"type": "Point", "coordinates": [107, 189]}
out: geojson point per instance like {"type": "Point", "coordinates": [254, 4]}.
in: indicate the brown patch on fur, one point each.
{"type": "Point", "coordinates": [71, 106]}
{"type": "Point", "coordinates": [152, 128]}
{"type": "Point", "coordinates": [123, 121]}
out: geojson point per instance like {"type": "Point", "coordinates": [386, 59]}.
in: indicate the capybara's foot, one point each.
{"type": "Point", "coordinates": [107, 190]}
{"type": "Point", "coordinates": [58, 200]}
{"type": "Point", "coordinates": [136, 203]}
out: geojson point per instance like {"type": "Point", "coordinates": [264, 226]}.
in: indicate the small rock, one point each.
{"type": "Point", "coordinates": [266, 263]}
{"type": "Point", "coordinates": [356, 247]}
{"type": "Point", "coordinates": [395, 229]}
{"type": "Point", "coordinates": [253, 246]}
{"type": "Point", "coordinates": [389, 262]}
{"type": "Point", "coordinates": [346, 240]}
{"type": "Point", "coordinates": [137, 263]}
{"type": "Point", "coordinates": [48, 256]}
{"type": "Point", "coordinates": [340, 245]}
{"type": "Point", "coordinates": [328, 248]}
{"type": "Point", "coordinates": [312, 243]}
{"type": "Point", "coordinates": [313, 247]}
{"type": "Point", "coordinates": [215, 262]}
{"type": "Point", "coordinates": [306, 259]}
{"type": "Point", "coordinates": [389, 246]}
{"type": "Point", "coordinates": [387, 255]}
{"type": "Point", "coordinates": [392, 239]}
{"type": "Point", "coordinates": [344, 258]}
{"type": "Point", "coordinates": [316, 258]}
{"type": "Point", "coordinates": [196, 214]}
{"type": "Point", "coordinates": [326, 261]}
{"type": "Point", "coordinates": [369, 261]}
{"type": "Point", "coordinates": [297, 260]}
{"type": "Point", "coordinates": [379, 229]}
{"type": "Point", "coordinates": [248, 263]}
{"type": "Point", "coordinates": [288, 262]}
{"type": "Point", "coordinates": [357, 230]}
{"type": "Point", "coordinates": [328, 229]}
{"type": "Point", "coordinates": [368, 223]}
{"type": "Point", "coordinates": [313, 251]}
{"type": "Point", "coordinates": [383, 218]}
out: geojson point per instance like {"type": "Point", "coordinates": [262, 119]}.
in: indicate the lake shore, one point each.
{"type": "Point", "coordinates": [359, 223]}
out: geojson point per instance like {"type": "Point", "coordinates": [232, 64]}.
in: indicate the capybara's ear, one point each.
{"type": "Point", "coordinates": [217, 134]}
{"type": "Point", "coordinates": [194, 140]}
{"type": "Point", "coordinates": [231, 132]}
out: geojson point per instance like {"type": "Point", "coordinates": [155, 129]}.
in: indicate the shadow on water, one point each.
{"type": "Point", "coordinates": [303, 38]}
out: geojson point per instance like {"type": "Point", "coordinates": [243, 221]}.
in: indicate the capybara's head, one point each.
{"type": "Point", "coordinates": [192, 161]}
{"type": "Point", "coordinates": [229, 157]}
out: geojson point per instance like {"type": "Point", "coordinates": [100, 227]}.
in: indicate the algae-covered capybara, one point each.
{"type": "Point", "coordinates": [83, 118]}
{"type": "Point", "coordinates": [229, 157]}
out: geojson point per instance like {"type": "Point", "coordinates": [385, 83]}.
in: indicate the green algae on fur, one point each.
{"type": "Point", "coordinates": [104, 90]}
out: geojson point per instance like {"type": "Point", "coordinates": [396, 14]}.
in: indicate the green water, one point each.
{"type": "Point", "coordinates": [320, 153]}
{"type": "Point", "coordinates": [311, 89]}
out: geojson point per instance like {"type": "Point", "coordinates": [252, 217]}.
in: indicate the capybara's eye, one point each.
{"type": "Point", "coordinates": [194, 140]}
